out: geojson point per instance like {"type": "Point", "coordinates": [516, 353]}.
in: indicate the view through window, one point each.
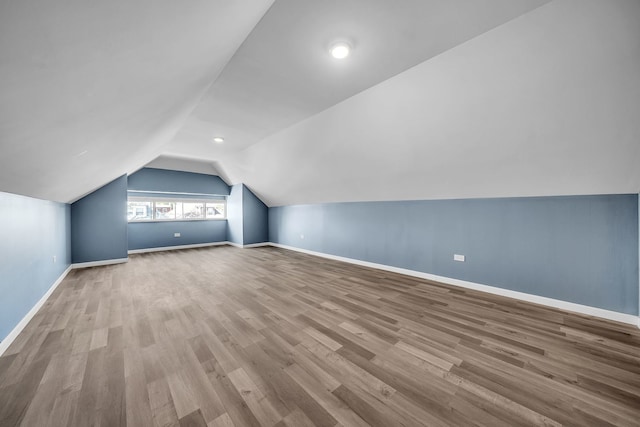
{"type": "Point", "coordinates": [145, 209]}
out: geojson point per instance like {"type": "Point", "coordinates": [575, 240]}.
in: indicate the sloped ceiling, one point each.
{"type": "Point", "coordinates": [283, 73]}
{"type": "Point", "coordinates": [440, 99]}
{"type": "Point", "coordinates": [547, 104]}
{"type": "Point", "coordinates": [91, 90]}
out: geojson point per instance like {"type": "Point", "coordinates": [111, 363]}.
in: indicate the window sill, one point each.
{"type": "Point", "coordinates": [175, 220]}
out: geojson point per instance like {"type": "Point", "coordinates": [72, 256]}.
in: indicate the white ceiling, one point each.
{"type": "Point", "coordinates": [92, 90]}
{"type": "Point", "coordinates": [546, 104]}
{"type": "Point", "coordinates": [440, 99]}
{"type": "Point", "coordinates": [283, 73]}
{"type": "Point", "coordinates": [186, 165]}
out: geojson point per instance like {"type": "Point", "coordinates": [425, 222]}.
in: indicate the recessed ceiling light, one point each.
{"type": "Point", "coordinates": [340, 50]}
{"type": "Point", "coordinates": [218, 139]}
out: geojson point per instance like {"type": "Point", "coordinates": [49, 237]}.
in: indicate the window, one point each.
{"type": "Point", "coordinates": [138, 210]}
{"type": "Point", "coordinates": [215, 210]}
{"type": "Point", "coordinates": [165, 209]}
{"type": "Point", "coordinates": [193, 210]}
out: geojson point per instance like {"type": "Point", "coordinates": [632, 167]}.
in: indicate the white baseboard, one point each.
{"type": "Point", "coordinates": [6, 342]}
{"type": "Point", "coordinates": [173, 248]}
{"type": "Point", "coordinates": [251, 245]}
{"type": "Point", "coordinates": [550, 302]}
{"type": "Point", "coordinates": [197, 245]}
{"type": "Point", "coordinates": [256, 245]}
{"type": "Point", "coordinates": [99, 263]}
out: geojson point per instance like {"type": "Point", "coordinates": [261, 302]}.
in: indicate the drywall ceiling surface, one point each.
{"type": "Point", "coordinates": [185, 165]}
{"type": "Point", "coordinates": [283, 72]}
{"type": "Point", "coordinates": [439, 99]}
{"type": "Point", "coordinates": [546, 104]}
{"type": "Point", "coordinates": [92, 90]}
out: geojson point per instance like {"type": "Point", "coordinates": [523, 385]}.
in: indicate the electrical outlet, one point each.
{"type": "Point", "coordinates": [176, 234]}
{"type": "Point", "coordinates": [457, 257]}
{"type": "Point", "coordinates": [54, 259]}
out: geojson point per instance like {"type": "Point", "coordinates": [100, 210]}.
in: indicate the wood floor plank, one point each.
{"type": "Point", "coordinates": [88, 408]}
{"type": "Point", "coordinates": [114, 408]}
{"type": "Point", "coordinates": [138, 410]}
{"type": "Point", "coordinates": [223, 420]}
{"type": "Point", "coordinates": [161, 403]}
{"type": "Point", "coordinates": [194, 419]}
{"type": "Point", "coordinates": [325, 397]}
{"type": "Point", "coordinates": [255, 399]}
{"type": "Point", "coordinates": [228, 337]}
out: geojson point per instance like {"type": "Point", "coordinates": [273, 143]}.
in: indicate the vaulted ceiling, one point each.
{"type": "Point", "coordinates": [439, 99]}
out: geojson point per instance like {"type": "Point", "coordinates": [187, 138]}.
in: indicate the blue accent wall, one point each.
{"type": "Point", "coordinates": [161, 233]}
{"type": "Point", "coordinates": [581, 249]}
{"type": "Point", "coordinates": [234, 215]}
{"type": "Point", "coordinates": [149, 179]}
{"type": "Point", "coordinates": [99, 224]}
{"type": "Point", "coordinates": [255, 221]}
{"type": "Point", "coordinates": [34, 231]}
{"type": "Point", "coordinates": [143, 235]}
{"type": "Point", "coordinates": [247, 217]}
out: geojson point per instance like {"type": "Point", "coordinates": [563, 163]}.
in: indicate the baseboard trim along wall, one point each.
{"type": "Point", "coordinates": [251, 245]}
{"type": "Point", "coordinates": [550, 302]}
{"type": "Point", "coordinates": [177, 247]}
{"type": "Point", "coordinates": [8, 340]}
{"type": "Point", "coordinates": [197, 245]}
{"type": "Point", "coordinates": [256, 245]}
{"type": "Point", "coordinates": [99, 263]}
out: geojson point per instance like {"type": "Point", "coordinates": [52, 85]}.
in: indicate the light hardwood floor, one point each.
{"type": "Point", "coordinates": [261, 337]}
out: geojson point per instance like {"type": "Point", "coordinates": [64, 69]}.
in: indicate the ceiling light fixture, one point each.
{"type": "Point", "coordinates": [340, 50]}
{"type": "Point", "coordinates": [218, 139]}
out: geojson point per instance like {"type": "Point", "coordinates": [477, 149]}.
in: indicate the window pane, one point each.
{"type": "Point", "coordinates": [170, 209]}
{"type": "Point", "coordinates": [165, 210]}
{"type": "Point", "coordinates": [215, 210]}
{"type": "Point", "coordinates": [193, 210]}
{"type": "Point", "coordinates": [139, 211]}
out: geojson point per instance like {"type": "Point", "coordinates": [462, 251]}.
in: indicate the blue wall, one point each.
{"type": "Point", "coordinates": [99, 224]}
{"type": "Point", "coordinates": [34, 231]}
{"type": "Point", "coordinates": [168, 181]}
{"type": "Point", "coordinates": [255, 221]}
{"type": "Point", "coordinates": [582, 249]}
{"type": "Point", "coordinates": [234, 215]}
{"type": "Point", "coordinates": [158, 234]}
{"type": "Point", "coordinates": [247, 217]}
{"type": "Point", "coordinates": [176, 184]}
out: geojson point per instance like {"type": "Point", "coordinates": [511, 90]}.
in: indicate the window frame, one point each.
{"type": "Point", "coordinates": [176, 201]}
